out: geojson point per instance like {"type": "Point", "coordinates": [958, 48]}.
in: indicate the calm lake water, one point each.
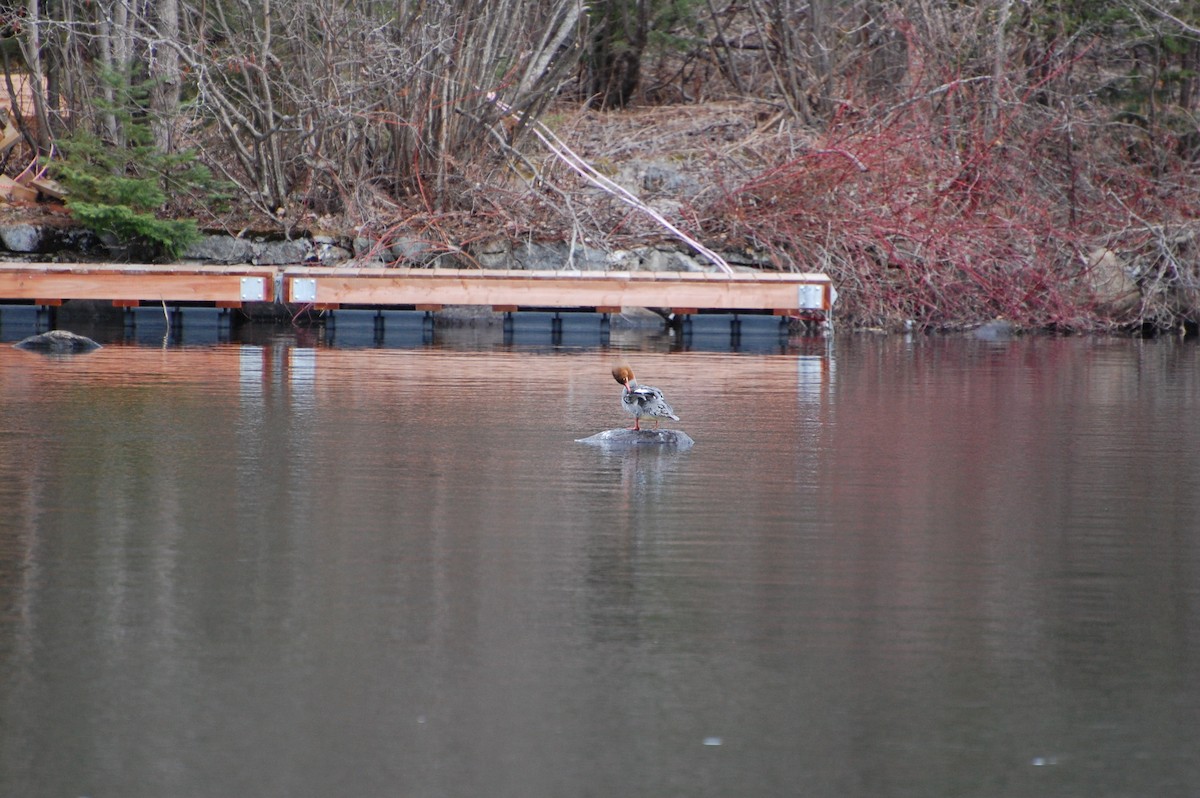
{"type": "Point", "coordinates": [888, 567]}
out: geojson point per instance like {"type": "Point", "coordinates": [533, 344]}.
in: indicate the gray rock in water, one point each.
{"type": "Point", "coordinates": [58, 342]}
{"type": "Point", "coordinates": [995, 330]}
{"type": "Point", "coordinates": [628, 438]}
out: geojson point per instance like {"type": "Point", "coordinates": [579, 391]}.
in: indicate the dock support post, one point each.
{"type": "Point", "coordinates": [556, 329]}
{"type": "Point", "coordinates": [47, 312]}
{"type": "Point", "coordinates": [378, 326]}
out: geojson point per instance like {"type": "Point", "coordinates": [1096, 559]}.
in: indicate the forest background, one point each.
{"type": "Point", "coordinates": [944, 162]}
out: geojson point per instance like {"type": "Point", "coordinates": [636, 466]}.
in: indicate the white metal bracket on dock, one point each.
{"type": "Point", "coordinates": [254, 289]}
{"type": "Point", "coordinates": [304, 289]}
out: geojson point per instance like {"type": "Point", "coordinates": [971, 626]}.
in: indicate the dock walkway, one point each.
{"type": "Point", "coordinates": [129, 285]}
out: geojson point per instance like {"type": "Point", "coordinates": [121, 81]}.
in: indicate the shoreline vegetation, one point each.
{"type": "Point", "coordinates": [945, 164]}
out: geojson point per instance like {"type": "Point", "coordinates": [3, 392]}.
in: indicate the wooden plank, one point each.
{"type": "Point", "coordinates": [49, 187]}
{"type": "Point", "coordinates": [9, 137]}
{"type": "Point", "coordinates": [12, 190]}
{"type": "Point", "coordinates": [612, 289]}
{"type": "Point", "coordinates": [125, 283]}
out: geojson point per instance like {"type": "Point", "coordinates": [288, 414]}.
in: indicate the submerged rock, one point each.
{"type": "Point", "coordinates": [628, 438]}
{"type": "Point", "coordinates": [995, 330]}
{"type": "Point", "coordinates": [58, 342]}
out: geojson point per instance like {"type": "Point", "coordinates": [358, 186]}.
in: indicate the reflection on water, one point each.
{"type": "Point", "coordinates": [887, 567]}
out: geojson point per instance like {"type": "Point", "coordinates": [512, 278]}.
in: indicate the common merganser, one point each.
{"type": "Point", "coordinates": [641, 400]}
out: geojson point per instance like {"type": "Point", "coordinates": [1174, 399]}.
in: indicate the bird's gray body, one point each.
{"type": "Point", "coordinates": [643, 401]}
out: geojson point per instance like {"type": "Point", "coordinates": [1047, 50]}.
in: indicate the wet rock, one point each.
{"type": "Point", "coordinates": [21, 237]}
{"type": "Point", "coordinates": [655, 259]}
{"type": "Point", "coordinates": [283, 253]}
{"type": "Point", "coordinates": [630, 438]}
{"type": "Point", "coordinates": [221, 249]}
{"type": "Point", "coordinates": [58, 342]}
{"type": "Point", "coordinates": [330, 254]}
{"type": "Point", "coordinates": [67, 243]}
{"type": "Point", "coordinates": [995, 330]}
{"type": "Point", "coordinates": [555, 256]}
{"type": "Point", "coordinates": [552, 257]}
{"type": "Point", "coordinates": [412, 251]}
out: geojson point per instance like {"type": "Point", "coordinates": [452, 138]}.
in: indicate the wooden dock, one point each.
{"type": "Point", "coordinates": [128, 285]}
{"type": "Point", "coordinates": [684, 293]}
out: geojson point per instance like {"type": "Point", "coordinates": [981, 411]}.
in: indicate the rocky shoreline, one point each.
{"type": "Point", "coordinates": [61, 242]}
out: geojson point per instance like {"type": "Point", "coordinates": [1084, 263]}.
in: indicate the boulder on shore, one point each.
{"type": "Point", "coordinates": [629, 438]}
{"type": "Point", "coordinates": [58, 342]}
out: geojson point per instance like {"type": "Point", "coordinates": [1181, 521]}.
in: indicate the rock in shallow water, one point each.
{"type": "Point", "coordinates": [627, 438]}
{"type": "Point", "coordinates": [57, 342]}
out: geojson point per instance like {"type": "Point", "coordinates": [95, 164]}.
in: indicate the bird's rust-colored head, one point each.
{"type": "Point", "coordinates": [623, 375]}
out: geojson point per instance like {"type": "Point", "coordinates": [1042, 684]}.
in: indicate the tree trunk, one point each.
{"type": "Point", "coordinates": [615, 57]}
{"type": "Point", "coordinates": [164, 71]}
{"type": "Point", "coordinates": [31, 49]}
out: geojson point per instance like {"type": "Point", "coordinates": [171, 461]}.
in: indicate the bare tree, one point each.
{"type": "Point", "coordinates": [31, 50]}
{"type": "Point", "coordinates": [327, 97]}
{"type": "Point", "coordinates": [163, 69]}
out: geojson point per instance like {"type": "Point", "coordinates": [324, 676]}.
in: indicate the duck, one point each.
{"type": "Point", "coordinates": [641, 401]}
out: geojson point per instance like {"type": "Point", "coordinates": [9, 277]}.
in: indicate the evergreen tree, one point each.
{"type": "Point", "coordinates": [120, 191]}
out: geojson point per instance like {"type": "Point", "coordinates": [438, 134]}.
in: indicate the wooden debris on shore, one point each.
{"type": "Point", "coordinates": [13, 191]}
{"type": "Point", "coordinates": [32, 183]}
